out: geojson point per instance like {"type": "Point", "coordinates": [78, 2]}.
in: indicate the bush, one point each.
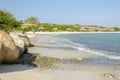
{"type": "Point", "coordinates": [7, 21]}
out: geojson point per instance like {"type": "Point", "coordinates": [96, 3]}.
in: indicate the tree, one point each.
{"type": "Point", "coordinates": [55, 29]}
{"type": "Point", "coordinates": [32, 24]}
{"type": "Point", "coordinates": [32, 20]}
{"type": "Point", "coordinates": [7, 20]}
{"type": "Point", "coordinates": [116, 29]}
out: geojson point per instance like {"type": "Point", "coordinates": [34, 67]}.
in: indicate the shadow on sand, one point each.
{"type": "Point", "coordinates": [24, 63]}
{"type": "Point", "coordinates": [14, 68]}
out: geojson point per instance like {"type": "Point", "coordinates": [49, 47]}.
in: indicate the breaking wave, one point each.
{"type": "Point", "coordinates": [69, 44]}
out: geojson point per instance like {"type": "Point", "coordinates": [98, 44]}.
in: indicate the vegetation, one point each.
{"type": "Point", "coordinates": [77, 28]}
{"type": "Point", "coordinates": [51, 27]}
{"type": "Point", "coordinates": [8, 22]}
{"type": "Point", "coordinates": [31, 24]}
{"type": "Point", "coordinates": [32, 20]}
{"type": "Point", "coordinates": [116, 29]}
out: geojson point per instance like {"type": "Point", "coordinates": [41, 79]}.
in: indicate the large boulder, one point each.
{"type": "Point", "coordinates": [12, 52]}
{"type": "Point", "coordinates": [2, 51]}
{"type": "Point", "coordinates": [26, 40]}
{"type": "Point", "coordinates": [19, 42]}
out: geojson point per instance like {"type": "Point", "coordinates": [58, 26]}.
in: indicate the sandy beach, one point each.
{"type": "Point", "coordinates": [30, 33]}
{"type": "Point", "coordinates": [23, 72]}
{"type": "Point", "coordinates": [65, 71]}
{"type": "Point", "coordinates": [60, 40]}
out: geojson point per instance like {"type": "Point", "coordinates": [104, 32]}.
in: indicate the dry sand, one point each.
{"type": "Point", "coordinates": [64, 72]}
{"type": "Point", "coordinates": [66, 32]}
{"type": "Point", "coordinates": [23, 72]}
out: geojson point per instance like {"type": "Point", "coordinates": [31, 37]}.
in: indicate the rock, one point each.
{"type": "Point", "coordinates": [35, 59]}
{"type": "Point", "coordinates": [19, 42]}
{"type": "Point", "coordinates": [110, 76]}
{"type": "Point", "coordinates": [2, 51]}
{"type": "Point", "coordinates": [26, 40]}
{"type": "Point", "coordinates": [12, 52]}
{"type": "Point", "coordinates": [27, 59]}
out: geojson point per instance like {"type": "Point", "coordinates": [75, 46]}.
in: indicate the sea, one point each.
{"type": "Point", "coordinates": [100, 48]}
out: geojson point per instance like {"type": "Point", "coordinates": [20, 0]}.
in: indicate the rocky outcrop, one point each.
{"type": "Point", "coordinates": [109, 76]}
{"type": "Point", "coordinates": [2, 52]}
{"type": "Point", "coordinates": [12, 52]}
{"type": "Point", "coordinates": [35, 59]}
{"type": "Point", "coordinates": [20, 43]}
{"type": "Point", "coordinates": [26, 40]}
{"type": "Point", "coordinates": [14, 47]}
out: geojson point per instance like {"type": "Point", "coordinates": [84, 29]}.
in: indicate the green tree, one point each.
{"type": "Point", "coordinates": [32, 23]}
{"type": "Point", "coordinates": [32, 20]}
{"type": "Point", "coordinates": [8, 21]}
{"type": "Point", "coordinates": [116, 29]}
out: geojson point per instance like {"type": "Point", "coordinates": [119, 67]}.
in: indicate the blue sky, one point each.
{"type": "Point", "coordinates": [84, 12]}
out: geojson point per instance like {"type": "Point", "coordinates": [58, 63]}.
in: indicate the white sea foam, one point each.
{"type": "Point", "coordinates": [80, 47]}
{"type": "Point", "coordinates": [99, 53]}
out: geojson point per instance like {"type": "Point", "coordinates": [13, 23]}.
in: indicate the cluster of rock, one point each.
{"type": "Point", "coordinates": [12, 46]}
{"type": "Point", "coordinates": [27, 59]}
{"type": "Point", "coordinates": [14, 49]}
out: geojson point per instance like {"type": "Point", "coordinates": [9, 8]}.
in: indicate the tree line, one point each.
{"type": "Point", "coordinates": [8, 23]}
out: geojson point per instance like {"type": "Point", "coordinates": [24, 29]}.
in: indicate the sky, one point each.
{"type": "Point", "coordinates": [83, 12]}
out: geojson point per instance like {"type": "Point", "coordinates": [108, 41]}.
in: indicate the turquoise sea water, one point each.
{"type": "Point", "coordinates": [105, 47]}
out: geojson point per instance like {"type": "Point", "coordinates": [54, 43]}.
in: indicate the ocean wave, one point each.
{"type": "Point", "coordinates": [80, 47]}
{"type": "Point", "coordinates": [99, 53]}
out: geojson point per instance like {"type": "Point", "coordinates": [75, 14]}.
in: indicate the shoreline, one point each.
{"type": "Point", "coordinates": [66, 32]}
{"type": "Point", "coordinates": [46, 48]}
{"type": "Point", "coordinates": [31, 34]}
